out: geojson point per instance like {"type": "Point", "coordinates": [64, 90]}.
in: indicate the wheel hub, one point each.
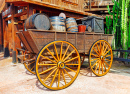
{"type": "Point", "coordinates": [101, 57]}
{"type": "Point", "coordinates": [61, 65]}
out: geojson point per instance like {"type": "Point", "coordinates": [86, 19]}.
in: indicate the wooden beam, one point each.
{"type": "Point", "coordinates": [13, 35]}
{"type": "Point", "coordinates": [20, 14]}
{"type": "Point", "coordinates": [6, 44]}
{"type": "Point", "coordinates": [97, 9]}
{"type": "Point", "coordinates": [30, 10]}
{"type": "Point", "coordinates": [53, 6]}
{"type": "Point", "coordinates": [9, 18]}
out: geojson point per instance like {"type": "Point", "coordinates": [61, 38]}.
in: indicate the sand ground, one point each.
{"type": "Point", "coordinates": [15, 79]}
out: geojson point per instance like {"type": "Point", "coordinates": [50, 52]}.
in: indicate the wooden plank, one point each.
{"type": "Point", "coordinates": [24, 41]}
{"type": "Point", "coordinates": [20, 14]}
{"type": "Point", "coordinates": [30, 10]}
{"type": "Point", "coordinates": [1, 33]}
{"type": "Point", "coordinates": [97, 9]}
{"type": "Point", "coordinates": [30, 40]}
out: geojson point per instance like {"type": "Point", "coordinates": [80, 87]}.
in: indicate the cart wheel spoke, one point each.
{"type": "Point", "coordinates": [30, 66]}
{"type": "Point", "coordinates": [95, 59]}
{"type": "Point", "coordinates": [95, 63]}
{"type": "Point", "coordinates": [102, 64]}
{"type": "Point", "coordinates": [98, 48]}
{"type": "Point", "coordinates": [105, 49]}
{"type": "Point", "coordinates": [50, 74]}
{"type": "Point", "coordinates": [71, 64]}
{"type": "Point", "coordinates": [107, 52]}
{"type": "Point", "coordinates": [68, 55]}
{"type": "Point", "coordinates": [96, 51]}
{"type": "Point", "coordinates": [59, 78]}
{"type": "Point", "coordinates": [102, 67]}
{"type": "Point", "coordinates": [107, 55]}
{"type": "Point", "coordinates": [54, 77]}
{"type": "Point", "coordinates": [106, 63]}
{"type": "Point", "coordinates": [71, 59]}
{"type": "Point", "coordinates": [63, 77]}
{"type": "Point", "coordinates": [58, 74]}
{"type": "Point", "coordinates": [61, 50]}
{"type": "Point", "coordinates": [47, 64]}
{"type": "Point", "coordinates": [56, 51]}
{"type": "Point", "coordinates": [70, 69]}
{"type": "Point", "coordinates": [47, 70]}
{"type": "Point", "coordinates": [31, 63]}
{"type": "Point", "coordinates": [65, 52]}
{"type": "Point", "coordinates": [99, 67]}
{"type": "Point", "coordinates": [96, 66]}
{"type": "Point", "coordinates": [48, 59]}
{"type": "Point", "coordinates": [94, 55]}
{"type": "Point", "coordinates": [52, 54]}
{"type": "Point", "coordinates": [68, 74]}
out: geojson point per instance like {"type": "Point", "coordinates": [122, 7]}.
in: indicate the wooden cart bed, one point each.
{"type": "Point", "coordinates": [34, 40]}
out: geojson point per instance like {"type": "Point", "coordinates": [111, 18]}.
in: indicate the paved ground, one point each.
{"type": "Point", "coordinates": [14, 79]}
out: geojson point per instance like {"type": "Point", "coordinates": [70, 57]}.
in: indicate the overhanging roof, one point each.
{"type": "Point", "coordinates": [2, 4]}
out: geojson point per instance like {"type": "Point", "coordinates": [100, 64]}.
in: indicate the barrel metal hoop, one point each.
{"type": "Point", "coordinates": [70, 22]}
{"type": "Point", "coordinates": [70, 19]}
{"type": "Point", "coordinates": [57, 21]}
{"type": "Point", "coordinates": [57, 25]}
{"type": "Point", "coordinates": [56, 17]}
{"type": "Point", "coordinates": [72, 26]}
{"type": "Point", "coordinates": [34, 17]}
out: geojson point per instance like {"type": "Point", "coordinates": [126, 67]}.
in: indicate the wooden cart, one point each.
{"type": "Point", "coordinates": [58, 60]}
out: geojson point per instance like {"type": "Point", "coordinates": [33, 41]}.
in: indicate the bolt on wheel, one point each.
{"type": "Point", "coordinates": [52, 65]}
{"type": "Point", "coordinates": [100, 57]}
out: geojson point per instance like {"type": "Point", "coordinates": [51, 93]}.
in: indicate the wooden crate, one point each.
{"type": "Point", "coordinates": [96, 23]}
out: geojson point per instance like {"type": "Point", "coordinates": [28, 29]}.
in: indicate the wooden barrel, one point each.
{"type": "Point", "coordinates": [71, 25]}
{"type": "Point", "coordinates": [38, 21]}
{"type": "Point", "coordinates": [58, 23]}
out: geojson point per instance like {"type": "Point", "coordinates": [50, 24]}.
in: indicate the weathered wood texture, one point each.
{"type": "Point", "coordinates": [97, 5]}
{"type": "Point", "coordinates": [72, 6]}
{"type": "Point", "coordinates": [99, 2]}
{"type": "Point", "coordinates": [39, 38]}
{"type": "Point", "coordinates": [24, 41]}
{"type": "Point", "coordinates": [1, 31]}
{"type": "Point", "coordinates": [2, 5]}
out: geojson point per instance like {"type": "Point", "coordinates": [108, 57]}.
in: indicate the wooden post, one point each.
{"type": "Point", "coordinates": [6, 45]}
{"type": "Point", "coordinates": [90, 4]}
{"type": "Point", "coordinates": [30, 10]}
{"type": "Point", "coordinates": [13, 35]}
{"type": "Point", "coordinates": [1, 34]}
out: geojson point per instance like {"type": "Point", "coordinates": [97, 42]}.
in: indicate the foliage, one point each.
{"type": "Point", "coordinates": [121, 24]}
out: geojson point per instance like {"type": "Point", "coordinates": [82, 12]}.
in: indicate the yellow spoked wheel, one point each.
{"type": "Point", "coordinates": [30, 66]}
{"type": "Point", "coordinates": [100, 57]}
{"type": "Point", "coordinates": [52, 65]}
